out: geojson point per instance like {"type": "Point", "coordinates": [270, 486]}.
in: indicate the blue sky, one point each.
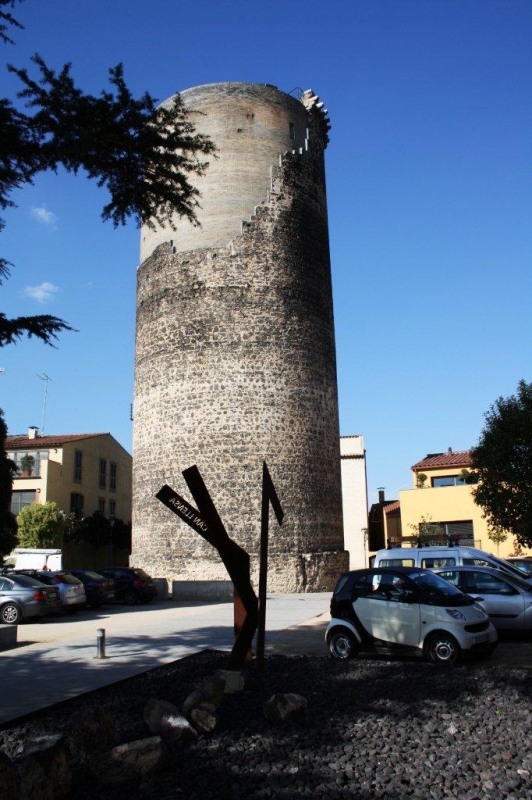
{"type": "Point", "coordinates": [429, 180]}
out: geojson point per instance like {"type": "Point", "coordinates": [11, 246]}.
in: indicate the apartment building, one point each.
{"type": "Point", "coordinates": [81, 473]}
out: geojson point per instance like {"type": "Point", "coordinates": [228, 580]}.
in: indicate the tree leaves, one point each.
{"type": "Point", "coordinates": [503, 461]}
{"type": "Point", "coordinates": [143, 155]}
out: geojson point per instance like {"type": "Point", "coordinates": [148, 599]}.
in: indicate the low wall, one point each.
{"type": "Point", "coordinates": [8, 637]}
{"type": "Point", "coordinates": [214, 591]}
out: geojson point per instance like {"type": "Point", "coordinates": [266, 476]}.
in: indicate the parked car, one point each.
{"type": "Point", "coordinates": [99, 589]}
{"type": "Point", "coordinates": [71, 589]}
{"type": "Point", "coordinates": [408, 610]}
{"type": "Point", "coordinates": [434, 557]}
{"type": "Point", "coordinates": [133, 585]}
{"type": "Point", "coordinates": [507, 599]}
{"type": "Point", "coordinates": [523, 564]}
{"type": "Point", "coordinates": [23, 597]}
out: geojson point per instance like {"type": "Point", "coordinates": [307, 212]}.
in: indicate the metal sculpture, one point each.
{"type": "Point", "coordinates": [206, 521]}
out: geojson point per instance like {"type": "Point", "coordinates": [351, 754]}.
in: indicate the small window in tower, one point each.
{"type": "Point", "coordinates": [292, 131]}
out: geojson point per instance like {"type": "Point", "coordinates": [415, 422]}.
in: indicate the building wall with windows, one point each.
{"type": "Point", "coordinates": [443, 503]}
{"type": "Point", "coordinates": [81, 473]}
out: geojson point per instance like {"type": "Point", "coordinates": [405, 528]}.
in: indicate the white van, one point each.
{"type": "Point", "coordinates": [35, 558]}
{"type": "Point", "coordinates": [434, 557]}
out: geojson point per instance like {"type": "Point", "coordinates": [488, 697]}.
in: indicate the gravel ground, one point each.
{"type": "Point", "coordinates": [373, 729]}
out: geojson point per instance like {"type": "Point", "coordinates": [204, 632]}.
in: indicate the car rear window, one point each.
{"type": "Point", "coordinates": [25, 580]}
{"type": "Point", "coordinates": [139, 573]}
{"type": "Point", "coordinates": [65, 577]}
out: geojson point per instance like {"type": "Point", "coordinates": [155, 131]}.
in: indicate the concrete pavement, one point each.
{"type": "Point", "coordinates": [57, 659]}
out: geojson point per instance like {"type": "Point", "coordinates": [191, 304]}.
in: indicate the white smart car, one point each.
{"type": "Point", "coordinates": [408, 610]}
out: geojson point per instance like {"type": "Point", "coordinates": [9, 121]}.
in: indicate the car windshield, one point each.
{"type": "Point", "coordinates": [94, 576]}
{"type": "Point", "coordinates": [437, 590]}
{"type": "Point", "coordinates": [506, 566]}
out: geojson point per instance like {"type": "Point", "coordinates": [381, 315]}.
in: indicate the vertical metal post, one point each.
{"type": "Point", "coordinates": [263, 573]}
{"type": "Point", "coordinates": [100, 643]}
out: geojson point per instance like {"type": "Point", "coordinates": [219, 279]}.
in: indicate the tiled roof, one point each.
{"type": "Point", "coordinates": [394, 506]}
{"type": "Point", "coordinates": [41, 442]}
{"type": "Point", "coordinates": [438, 460]}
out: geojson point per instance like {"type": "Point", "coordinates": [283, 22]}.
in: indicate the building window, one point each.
{"type": "Point", "coordinates": [455, 480]}
{"type": "Point", "coordinates": [76, 505]}
{"type": "Point", "coordinates": [78, 462]}
{"type": "Point", "coordinates": [112, 476]}
{"type": "Point", "coordinates": [34, 467]}
{"type": "Point", "coordinates": [112, 508]}
{"type": "Point", "coordinates": [101, 505]}
{"type": "Point", "coordinates": [102, 479]}
{"type": "Point", "coordinates": [20, 500]}
{"type": "Point", "coordinates": [292, 131]}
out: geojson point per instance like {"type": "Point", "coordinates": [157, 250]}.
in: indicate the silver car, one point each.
{"type": "Point", "coordinates": [507, 599]}
{"type": "Point", "coordinates": [23, 597]}
{"type": "Point", "coordinates": [71, 589]}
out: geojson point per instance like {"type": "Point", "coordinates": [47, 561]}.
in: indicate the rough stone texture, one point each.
{"type": "Point", "coordinates": [8, 778]}
{"type": "Point", "coordinates": [165, 720]}
{"type": "Point", "coordinates": [250, 124]}
{"type": "Point", "coordinates": [131, 760]}
{"type": "Point", "coordinates": [44, 768]}
{"type": "Point", "coordinates": [283, 706]}
{"type": "Point", "coordinates": [375, 729]}
{"type": "Point", "coordinates": [235, 364]}
{"type": "Point", "coordinates": [91, 731]}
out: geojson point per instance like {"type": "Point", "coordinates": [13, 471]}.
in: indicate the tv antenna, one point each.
{"type": "Point", "coordinates": [44, 377]}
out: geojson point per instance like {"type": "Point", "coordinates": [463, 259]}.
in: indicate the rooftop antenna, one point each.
{"type": "Point", "coordinates": [44, 377]}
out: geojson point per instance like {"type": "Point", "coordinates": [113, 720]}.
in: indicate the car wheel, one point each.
{"type": "Point", "coordinates": [342, 644]}
{"type": "Point", "coordinates": [442, 648]}
{"type": "Point", "coordinates": [129, 597]}
{"type": "Point", "coordinates": [10, 614]}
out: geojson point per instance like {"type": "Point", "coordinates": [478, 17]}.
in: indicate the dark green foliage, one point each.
{"type": "Point", "coordinates": [98, 531]}
{"type": "Point", "coordinates": [503, 461]}
{"type": "Point", "coordinates": [143, 155]}
{"type": "Point", "coordinates": [8, 525]}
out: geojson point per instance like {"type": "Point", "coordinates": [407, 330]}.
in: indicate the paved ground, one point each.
{"type": "Point", "coordinates": [56, 659]}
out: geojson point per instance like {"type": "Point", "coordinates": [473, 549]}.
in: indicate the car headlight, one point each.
{"type": "Point", "coordinates": [455, 614]}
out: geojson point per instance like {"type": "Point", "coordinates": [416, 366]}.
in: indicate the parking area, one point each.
{"type": "Point", "coordinates": [57, 659]}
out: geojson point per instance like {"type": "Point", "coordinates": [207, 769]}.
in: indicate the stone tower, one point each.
{"type": "Point", "coordinates": [235, 354]}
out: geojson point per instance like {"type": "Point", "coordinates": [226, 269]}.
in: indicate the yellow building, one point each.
{"type": "Point", "coordinates": [81, 473]}
{"type": "Point", "coordinates": [440, 506]}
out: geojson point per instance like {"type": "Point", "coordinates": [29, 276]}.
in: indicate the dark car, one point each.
{"type": "Point", "coordinates": [99, 589]}
{"type": "Point", "coordinates": [23, 597]}
{"type": "Point", "coordinates": [132, 584]}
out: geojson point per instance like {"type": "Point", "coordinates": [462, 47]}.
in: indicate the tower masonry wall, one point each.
{"type": "Point", "coordinates": [235, 364]}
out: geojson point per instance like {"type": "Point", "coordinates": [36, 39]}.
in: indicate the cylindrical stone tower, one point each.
{"type": "Point", "coordinates": [235, 355]}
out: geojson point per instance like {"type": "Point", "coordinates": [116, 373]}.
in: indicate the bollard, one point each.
{"type": "Point", "coordinates": [100, 643]}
